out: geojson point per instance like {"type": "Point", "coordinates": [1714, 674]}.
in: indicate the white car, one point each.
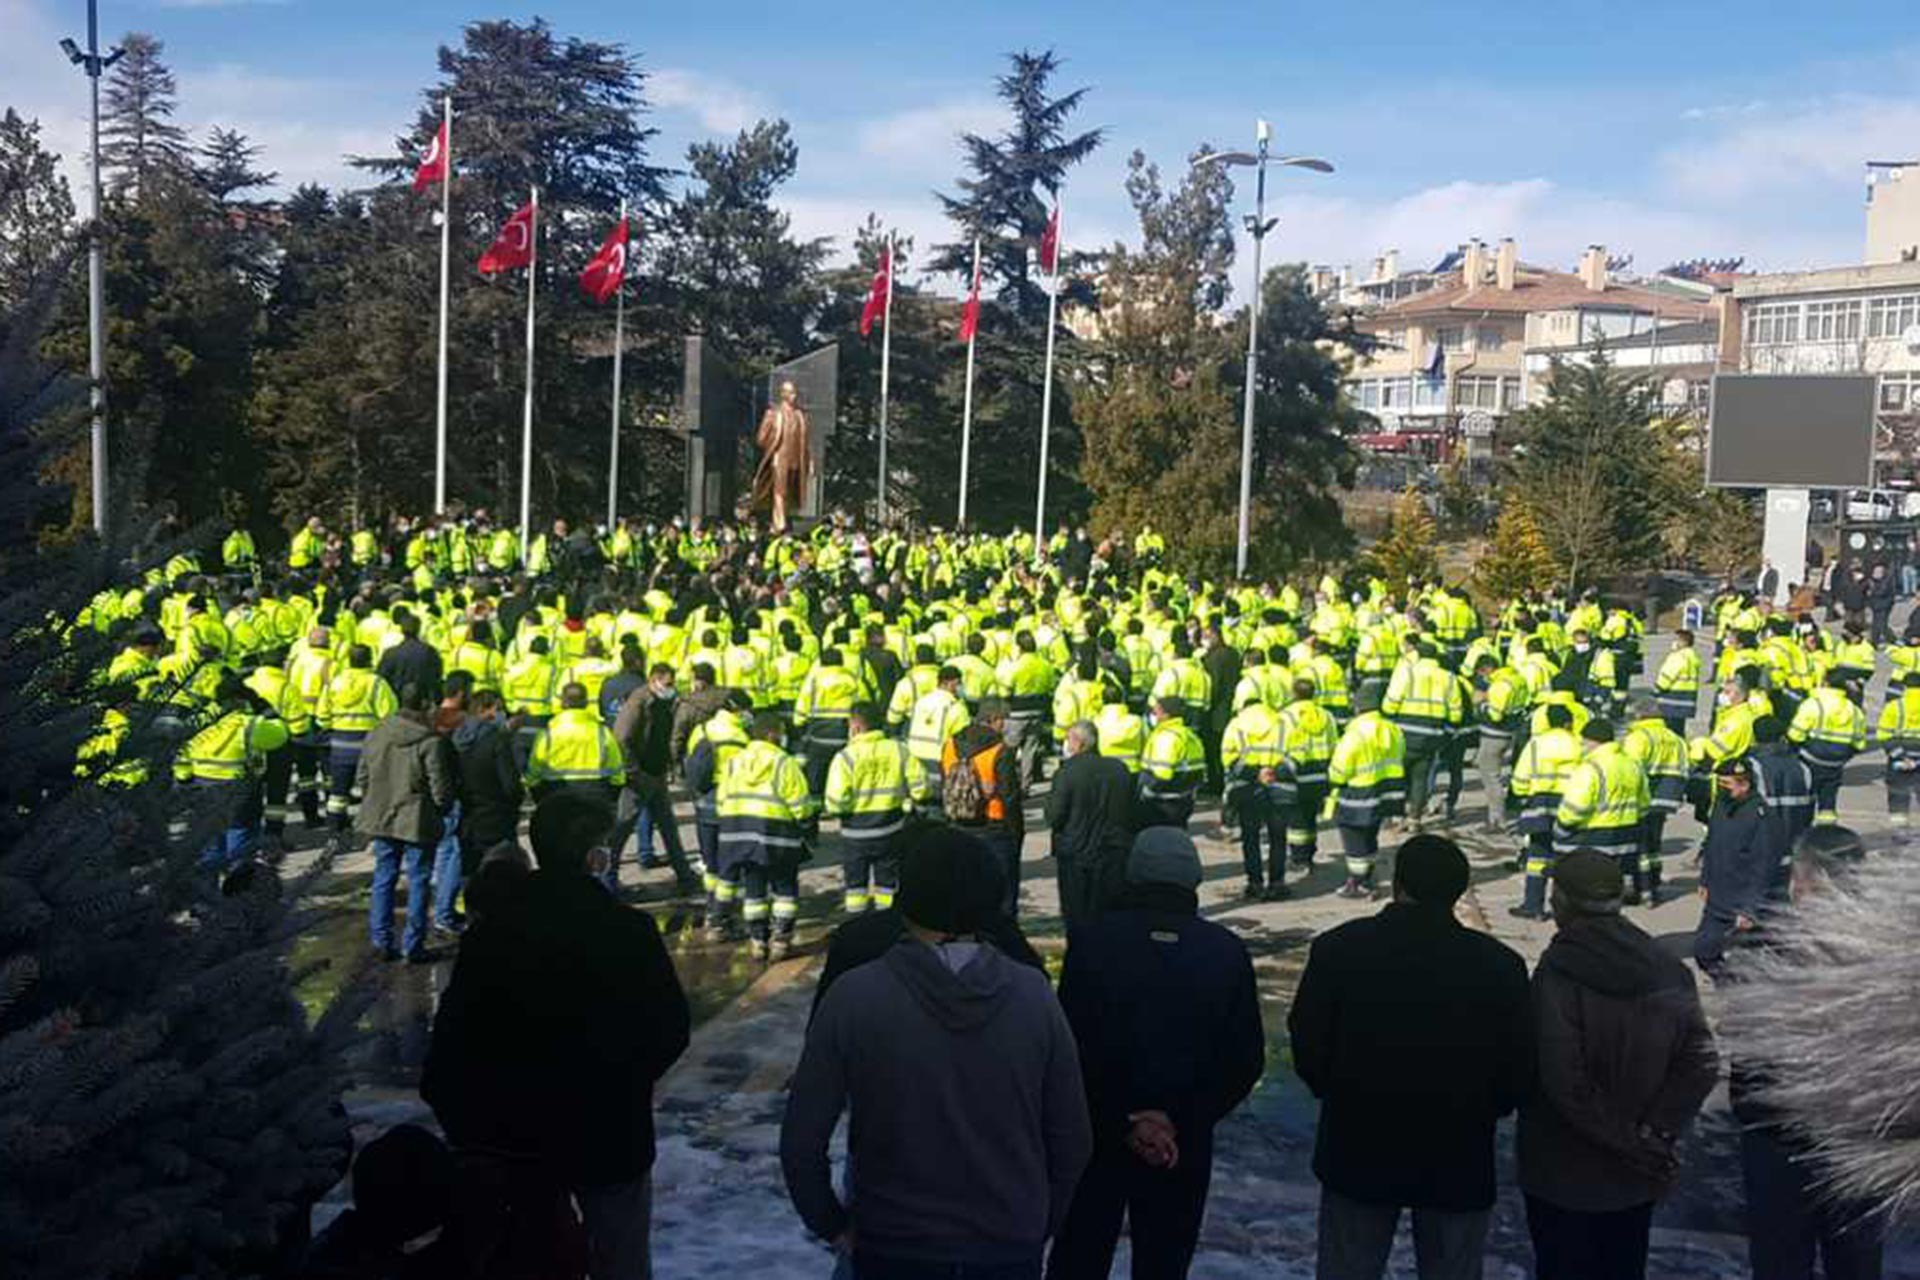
{"type": "Point", "coordinates": [1882, 504]}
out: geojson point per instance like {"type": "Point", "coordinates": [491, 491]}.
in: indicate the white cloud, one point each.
{"type": "Point", "coordinates": [912, 138]}
{"type": "Point", "coordinates": [719, 105]}
{"type": "Point", "coordinates": [1551, 223]}
{"type": "Point", "coordinates": [1801, 149]}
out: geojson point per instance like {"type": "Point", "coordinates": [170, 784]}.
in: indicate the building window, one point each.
{"type": "Point", "coordinates": [1451, 338]}
{"type": "Point", "coordinates": [1490, 337]}
{"type": "Point", "coordinates": [1891, 317]}
{"type": "Point", "coordinates": [1393, 393]}
{"type": "Point", "coordinates": [1773, 322]}
{"type": "Point", "coordinates": [1833, 322]}
{"type": "Point", "coordinates": [1509, 393]}
{"type": "Point", "coordinates": [1366, 393]}
{"type": "Point", "coordinates": [1429, 393]}
{"type": "Point", "coordinates": [1396, 339]}
{"type": "Point", "coordinates": [1700, 394]}
{"type": "Point", "coordinates": [1896, 392]}
{"type": "Point", "coordinates": [1476, 393]}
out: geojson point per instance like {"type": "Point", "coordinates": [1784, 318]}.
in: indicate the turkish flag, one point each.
{"type": "Point", "coordinates": [877, 296]}
{"type": "Point", "coordinates": [1050, 244]}
{"type": "Point", "coordinates": [970, 314]}
{"type": "Point", "coordinates": [513, 247]}
{"type": "Point", "coordinates": [434, 167]}
{"type": "Point", "coordinates": [608, 270]}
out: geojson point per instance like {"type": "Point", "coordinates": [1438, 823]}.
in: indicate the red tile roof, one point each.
{"type": "Point", "coordinates": [1534, 291]}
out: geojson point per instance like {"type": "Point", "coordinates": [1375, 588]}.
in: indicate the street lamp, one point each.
{"type": "Point", "coordinates": [1258, 225]}
{"type": "Point", "coordinates": [92, 62]}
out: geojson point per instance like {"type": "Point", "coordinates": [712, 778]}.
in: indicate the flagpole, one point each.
{"type": "Point", "coordinates": [966, 404]}
{"type": "Point", "coordinates": [446, 231]}
{"type": "Point", "coordinates": [619, 343]}
{"type": "Point", "coordinates": [886, 359]}
{"type": "Point", "coordinates": [1046, 394]}
{"type": "Point", "coordinates": [526, 425]}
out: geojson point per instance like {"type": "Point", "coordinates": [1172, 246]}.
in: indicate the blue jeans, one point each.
{"type": "Point", "coordinates": [446, 867]}
{"type": "Point", "coordinates": [230, 848]}
{"type": "Point", "coordinates": [387, 856]}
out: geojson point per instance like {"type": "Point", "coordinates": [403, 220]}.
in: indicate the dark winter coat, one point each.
{"type": "Point", "coordinates": [412, 661]}
{"type": "Point", "coordinates": [490, 788]}
{"type": "Point", "coordinates": [407, 780]}
{"type": "Point", "coordinates": [690, 711]}
{"type": "Point", "coordinates": [1090, 810]}
{"type": "Point", "coordinates": [563, 1010]}
{"type": "Point", "coordinates": [1166, 1014]}
{"type": "Point", "coordinates": [1624, 1056]}
{"type": "Point", "coordinates": [644, 728]}
{"type": "Point", "coordinates": [968, 1125]}
{"type": "Point", "coordinates": [1738, 857]}
{"type": "Point", "coordinates": [1415, 1034]}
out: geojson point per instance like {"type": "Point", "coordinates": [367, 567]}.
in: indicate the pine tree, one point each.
{"type": "Point", "coordinates": [738, 274]}
{"type": "Point", "coordinates": [1407, 552]}
{"type": "Point", "coordinates": [1517, 560]}
{"type": "Point", "coordinates": [227, 161]}
{"type": "Point", "coordinates": [1005, 197]}
{"type": "Point", "coordinates": [36, 211]}
{"type": "Point", "coordinates": [532, 108]}
{"type": "Point", "coordinates": [182, 313]}
{"type": "Point", "coordinates": [166, 1108]}
{"type": "Point", "coordinates": [1590, 467]}
{"type": "Point", "coordinates": [138, 136]}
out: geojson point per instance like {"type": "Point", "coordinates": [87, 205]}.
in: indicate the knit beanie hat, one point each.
{"type": "Point", "coordinates": [1432, 870]}
{"type": "Point", "coordinates": [1587, 875]}
{"type": "Point", "coordinates": [948, 880]}
{"type": "Point", "coordinates": [1164, 855]}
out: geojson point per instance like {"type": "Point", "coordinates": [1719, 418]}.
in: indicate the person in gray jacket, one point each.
{"type": "Point", "coordinates": [407, 781]}
{"type": "Point", "coordinates": [1625, 1060]}
{"type": "Point", "coordinates": [968, 1124]}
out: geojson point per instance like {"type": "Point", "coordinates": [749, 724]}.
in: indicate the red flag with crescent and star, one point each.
{"type": "Point", "coordinates": [433, 168]}
{"type": "Point", "coordinates": [1050, 244]}
{"type": "Point", "coordinates": [970, 314]}
{"type": "Point", "coordinates": [513, 247]}
{"type": "Point", "coordinates": [877, 296]}
{"type": "Point", "coordinates": [608, 270]}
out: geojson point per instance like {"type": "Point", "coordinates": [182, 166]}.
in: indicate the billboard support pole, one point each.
{"type": "Point", "coordinates": [1784, 541]}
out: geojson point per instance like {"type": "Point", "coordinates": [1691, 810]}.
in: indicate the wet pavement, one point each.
{"type": "Point", "coordinates": [719, 1203]}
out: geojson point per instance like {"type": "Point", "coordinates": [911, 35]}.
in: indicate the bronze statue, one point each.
{"type": "Point", "coordinates": [786, 457]}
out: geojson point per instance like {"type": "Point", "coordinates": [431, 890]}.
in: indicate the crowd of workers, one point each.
{"type": "Point", "coordinates": [416, 686]}
{"type": "Point", "coordinates": [786, 680]}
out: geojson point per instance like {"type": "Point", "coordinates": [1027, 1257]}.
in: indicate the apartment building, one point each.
{"type": "Point", "coordinates": [1857, 319]}
{"type": "Point", "coordinates": [1454, 358]}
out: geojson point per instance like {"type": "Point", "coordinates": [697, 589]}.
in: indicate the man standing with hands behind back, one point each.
{"type": "Point", "coordinates": [1414, 1032]}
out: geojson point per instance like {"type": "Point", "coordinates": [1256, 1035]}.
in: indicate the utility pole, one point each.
{"type": "Point", "coordinates": [93, 63]}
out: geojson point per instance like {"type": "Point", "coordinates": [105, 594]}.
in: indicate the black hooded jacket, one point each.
{"type": "Point", "coordinates": [1625, 1060]}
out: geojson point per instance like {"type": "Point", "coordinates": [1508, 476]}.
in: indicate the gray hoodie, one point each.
{"type": "Point", "coordinates": [968, 1120]}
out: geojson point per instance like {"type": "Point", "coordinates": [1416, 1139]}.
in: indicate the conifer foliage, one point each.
{"type": "Point", "coordinates": [166, 1108]}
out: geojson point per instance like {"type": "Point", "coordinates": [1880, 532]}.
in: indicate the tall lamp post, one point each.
{"type": "Point", "coordinates": [1258, 225]}
{"type": "Point", "coordinates": [93, 62]}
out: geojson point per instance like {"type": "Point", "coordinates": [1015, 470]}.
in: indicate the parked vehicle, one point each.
{"type": "Point", "coordinates": [1866, 505]}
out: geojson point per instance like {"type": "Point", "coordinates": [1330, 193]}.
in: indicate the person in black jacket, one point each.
{"type": "Point", "coordinates": [1090, 810]}
{"type": "Point", "coordinates": [490, 787]}
{"type": "Point", "coordinates": [1737, 862]}
{"type": "Point", "coordinates": [868, 937]}
{"type": "Point", "coordinates": [1415, 1034]}
{"type": "Point", "coordinates": [413, 660]}
{"type": "Point", "coordinates": [563, 1010]}
{"type": "Point", "coordinates": [1166, 1014]}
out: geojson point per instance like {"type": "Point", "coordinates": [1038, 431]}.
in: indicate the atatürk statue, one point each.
{"type": "Point", "coordinates": [786, 457]}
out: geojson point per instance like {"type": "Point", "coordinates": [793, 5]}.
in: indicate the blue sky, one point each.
{"type": "Point", "coordinates": [1664, 130]}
